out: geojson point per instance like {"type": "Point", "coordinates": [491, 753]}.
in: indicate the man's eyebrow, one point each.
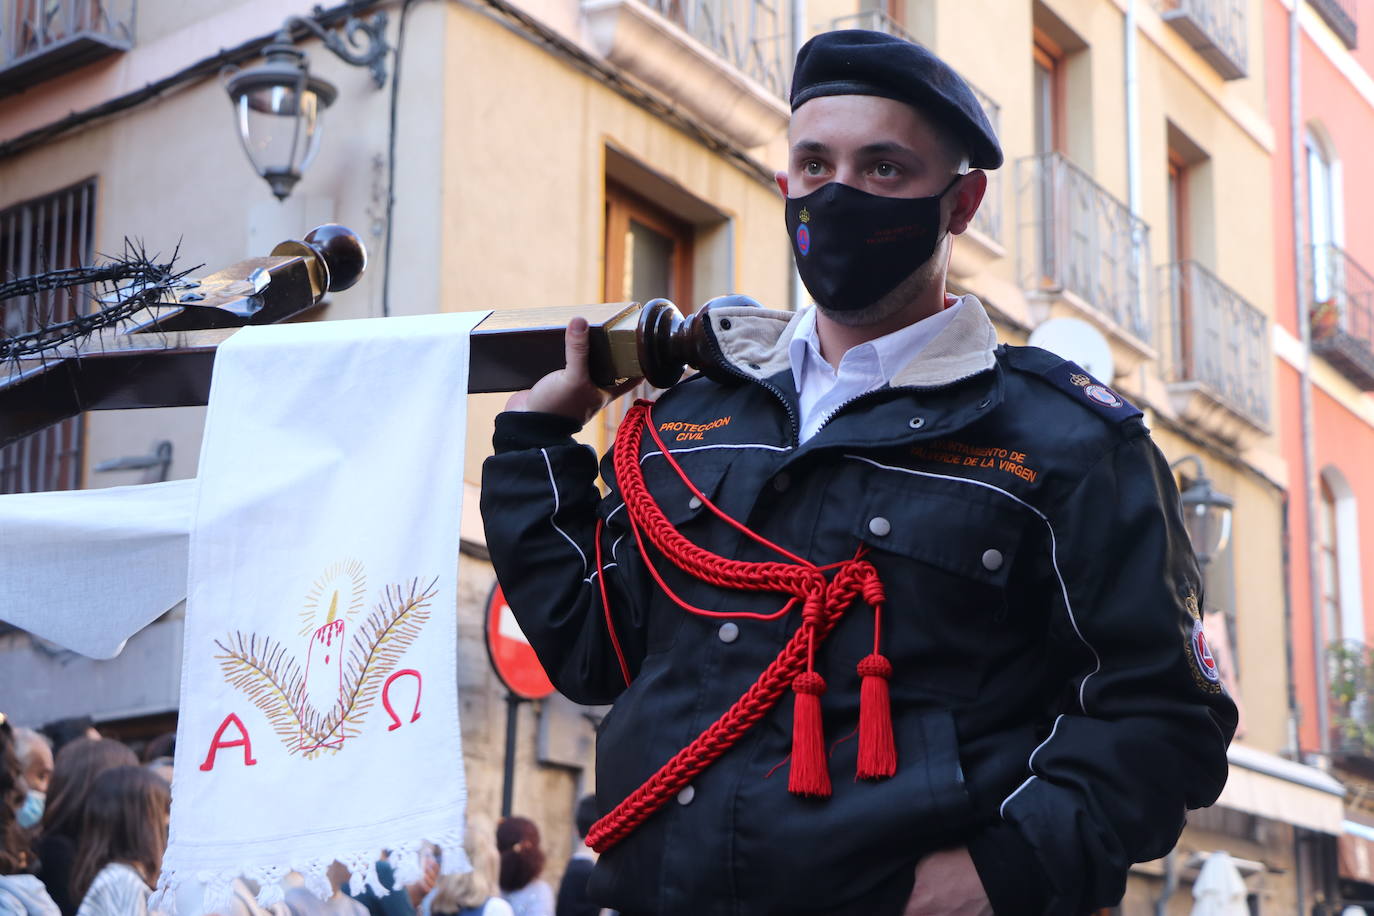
{"type": "Point", "coordinates": [810, 146]}
{"type": "Point", "coordinates": [880, 148]}
{"type": "Point", "coordinates": [886, 147]}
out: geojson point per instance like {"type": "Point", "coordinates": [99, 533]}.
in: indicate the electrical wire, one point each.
{"type": "Point", "coordinates": [391, 159]}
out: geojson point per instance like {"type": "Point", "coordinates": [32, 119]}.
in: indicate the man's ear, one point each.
{"type": "Point", "coordinates": [967, 197]}
{"type": "Point", "coordinates": [781, 179]}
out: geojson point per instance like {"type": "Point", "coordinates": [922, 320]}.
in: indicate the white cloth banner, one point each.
{"type": "Point", "coordinates": [87, 569]}
{"type": "Point", "coordinates": [319, 700]}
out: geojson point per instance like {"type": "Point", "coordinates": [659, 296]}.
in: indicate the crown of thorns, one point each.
{"type": "Point", "coordinates": [112, 293]}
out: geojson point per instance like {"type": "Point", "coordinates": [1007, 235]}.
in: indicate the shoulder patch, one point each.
{"type": "Point", "coordinates": [1071, 379]}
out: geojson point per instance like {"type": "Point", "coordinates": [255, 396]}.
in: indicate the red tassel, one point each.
{"type": "Point", "coordinates": [808, 774]}
{"type": "Point", "coordinates": [877, 750]}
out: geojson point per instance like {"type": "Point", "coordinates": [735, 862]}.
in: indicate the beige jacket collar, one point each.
{"type": "Point", "coordinates": [755, 340]}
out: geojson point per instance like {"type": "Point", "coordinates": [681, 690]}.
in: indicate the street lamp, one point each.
{"type": "Point", "coordinates": [278, 105]}
{"type": "Point", "coordinates": [1206, 513]}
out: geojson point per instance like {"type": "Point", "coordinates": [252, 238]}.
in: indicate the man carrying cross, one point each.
{"type": "Point", "coordinates": [908, 622]}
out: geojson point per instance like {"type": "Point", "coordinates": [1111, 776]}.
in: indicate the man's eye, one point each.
{"type": "Point", "coordinates": [811, 167]}
{"type": "Point", "coordinates": [885, 170]}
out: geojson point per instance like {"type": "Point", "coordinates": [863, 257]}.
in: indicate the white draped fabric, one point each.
{"type": "Point", "coordinates": [87, 569]}
{"type": "Point", "coordinates": [319, 700]}
{"type": "Point", "coordinates": [318, 552]}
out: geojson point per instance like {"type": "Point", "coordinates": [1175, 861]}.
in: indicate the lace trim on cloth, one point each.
{"type": "Point", "coordinates": [362, 866]}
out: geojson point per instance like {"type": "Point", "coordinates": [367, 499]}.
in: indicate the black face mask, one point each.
{"type": "Point", "coordinates": [852, 248]}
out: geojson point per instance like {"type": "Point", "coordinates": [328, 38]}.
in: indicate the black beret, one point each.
{"type": "Point", "coordinates": [860, 62]}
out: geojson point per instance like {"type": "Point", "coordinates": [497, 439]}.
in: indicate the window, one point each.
{"type": "Point", "coordinates": [648, 250]}
{"type": "Point", "coordinates": [49, 233]}
{"type": "Point", "coordinates": [1179, 242]}
{"type": "Point", "coordinates": [1330, 567]}
{"type": "Point", "coordinates": [648, 255]}
{"type": "Point", "coordinates": [1047, 86]}
{"type": "Point", "coordinates": [1338, 540]}
{"type": "Point", "coordinates": [1321, 219]}
{"type": "Point", "coordinates": [1049, 94]}
{"type": "Point", "coordinates": [1178, 253]}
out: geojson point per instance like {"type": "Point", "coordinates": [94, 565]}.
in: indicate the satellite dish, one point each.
{"type": "Point", "coordinates": [1076, 340]}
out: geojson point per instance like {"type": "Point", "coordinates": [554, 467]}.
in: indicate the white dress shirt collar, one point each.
{"type": "Point", "coordinates": [863, 368]}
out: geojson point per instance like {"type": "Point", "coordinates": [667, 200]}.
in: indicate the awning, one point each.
{"type": "Point", "coordinates": [1356, 848]}
{"type": "Point", "coordinates": [1269, 786]}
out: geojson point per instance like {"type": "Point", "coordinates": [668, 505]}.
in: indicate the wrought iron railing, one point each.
{"type": "Point", "coordinates": [1075, 237]}
{"type": "Point", "coordinates": [1342, 16]}
{"type": "Point", "coordinates": [753, 36]}
{"type": "Point", "coordinates": [1218, 339]}
{"type": "Point", "coordinates": [1216, 28]}
{"type": "Point", "coordinates": [49, 233]}
{"type": "Point", "coordinates": [988, 219]}
{"type": "Point", "coordinates": [30, 27]}
{"type": "Point", "coordinates": [1341, 302]}
{"type": "Point", "coordinates": [875, 20]}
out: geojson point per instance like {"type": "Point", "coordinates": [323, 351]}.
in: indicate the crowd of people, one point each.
{"type": "Point", "coordinates": [83, 827]}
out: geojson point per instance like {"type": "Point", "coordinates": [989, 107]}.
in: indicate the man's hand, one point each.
{"type": "Point", "coordinates": [569, 391]}
{"type": "Point", "coordinates": [947, 884]}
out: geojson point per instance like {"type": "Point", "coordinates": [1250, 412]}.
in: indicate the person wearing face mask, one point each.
{"type": "Point", "coordinates": [35, 772]}
{"type": "Point", "coordinates": [909, 624]}
{"type": "Point", "coordinates": [21, 892]}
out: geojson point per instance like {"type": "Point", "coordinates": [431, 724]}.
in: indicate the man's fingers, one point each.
{"type": "Point", "coordinates": [575, 348]}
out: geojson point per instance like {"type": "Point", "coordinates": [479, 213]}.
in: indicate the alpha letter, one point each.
{"type": "Point", "coordinates": [216, 743]}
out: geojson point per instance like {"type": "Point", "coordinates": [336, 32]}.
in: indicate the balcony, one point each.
{"type": "Point", "coordinates": [1218, 373]}
{"type": "Point", "coordinates": [1341, 16]}
{"type": "Point", "coordinates": [1350, 676]}
{"type": "Point", "coordinates": [728, 62]}
{"type": "Point", "coordinates": [1081, 251]}
{"type": "Point", "coordinates": [1342, 314]}
{"type": "Point", "coordinates": [988, 219]}
{"type": "Point", "coordinates": [1216, 29]}
{"type": "Point", "coordinates": [874, 20]}
{"type": "Point", "coordinates": [40, 39]}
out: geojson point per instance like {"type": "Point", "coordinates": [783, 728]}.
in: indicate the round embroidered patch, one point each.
{"type": "Point", "coordinates": [1202, 654]}
{"type": "Point", "coordinates": [1103, 395]}
{"type": "Point", "coordinates": [803, 239]}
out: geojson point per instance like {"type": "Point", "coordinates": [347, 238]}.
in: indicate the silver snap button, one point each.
{"type": "Point", "coordinates": [992, 559]}
{"type": "Point", "coordinates": [694, 502]}
{"type": "Point", "coordinates": [916, 422]}
{"type": "Point", "coordinates": [686, 795]}
{"type": "Point", "coordinates": [880, 526]}
{"type": "Point", "coordinates": [782, 482]}
{"type": "Point", "coordinates": [729, 631]}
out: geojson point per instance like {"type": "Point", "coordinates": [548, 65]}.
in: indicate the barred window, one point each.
{"type": "Point", "coordinates": [47, 233]}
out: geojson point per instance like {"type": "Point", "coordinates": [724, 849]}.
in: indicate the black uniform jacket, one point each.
{"type": "Point", "coordinates": [1055, 707]}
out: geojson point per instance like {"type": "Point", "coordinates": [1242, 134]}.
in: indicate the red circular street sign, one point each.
{"type": "Point", "coordinates": [511, 653]}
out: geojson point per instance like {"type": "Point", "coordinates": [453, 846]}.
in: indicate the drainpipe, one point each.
{"type": "Point", "coordinates": [1132, 90]}
{"type": "Point", "coordinates": [1309, 450]}
{"type": "Point", "coordinates": [1170, 883]}
{"type": "Point", "coordinates": [1132, 112]}
{"type": "Point", "coordinates": [1294, 747]}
